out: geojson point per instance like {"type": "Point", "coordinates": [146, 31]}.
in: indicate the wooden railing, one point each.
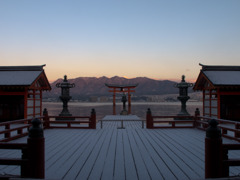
{"type": "Point", "coordinates": [33, 153]}
{"type": "Point", "coordinates": [79, 122]}
{"type": "Point", "coordinates": [14, 129]}
{"type": "Point", "coordinates": [217, 162]}
{"type": "Point", "coordinates": [230, 129]}
{"type": "Point", "coordinates": [154, 122]}
{"type": "Point", "coordinates": [32, 160]}
{"type": "Point", "coordinates": [22, 162]}
{"type": "Point", "coordinates": [226, 161]}
{"type": "Point", "coordinates": [19, 128]}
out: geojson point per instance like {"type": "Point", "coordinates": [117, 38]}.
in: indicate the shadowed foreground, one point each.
{"type": "Point", "coordinates": [130, 153]}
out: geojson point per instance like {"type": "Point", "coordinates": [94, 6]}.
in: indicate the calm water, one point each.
{"type": "Point", "coordinates": [138, 108]}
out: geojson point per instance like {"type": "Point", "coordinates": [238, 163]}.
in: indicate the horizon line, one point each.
{"type": "Point", "coordinates": [191, 80]}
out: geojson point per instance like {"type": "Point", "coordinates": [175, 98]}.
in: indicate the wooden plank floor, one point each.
{"type": "Point", "coordinates": [130, 153]}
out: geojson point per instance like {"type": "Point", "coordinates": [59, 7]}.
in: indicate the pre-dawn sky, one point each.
{"type": "Point", "coordinates": [160, 39]}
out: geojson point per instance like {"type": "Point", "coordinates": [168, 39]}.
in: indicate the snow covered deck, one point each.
{"type": "Point", "coordinates": [122, 119]}
{"type": "Point", "coordinates": [131, 153]}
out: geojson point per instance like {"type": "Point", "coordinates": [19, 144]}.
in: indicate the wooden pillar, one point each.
{"type": "Point", "coordinates": [46, 122]}
{"type": "Point", "coordinates": [196, 117]}
{"type": "Point", "coordinates": [203, 102]}
{"type": "Point", "coordinates": [219, 103]}
{"type": "Point", "coordinates": [213, 151]}
{"type": "Point", "coordinates": [129, 102]}
{"type": "Point", "coordinates": [114, 101]}
{"type": "Point", "coordinates": [25, 103]}
{"type": "Point", "coordinates": [92, 124]}
{"type": "Point", "coordinates": [149, 119]}
{"type": "Point", "coordinates": [210, 102]}
{"type": "Point", "coordinates": [8, 134]}
{"type": "Point", "coordinates": [237, 134]}
{"type": "Point", "coordinates": [36, 151]}
{"type": "Point", "coordinates": [40, 102]}
{"type": "Point", "coordinates": [34, 103]}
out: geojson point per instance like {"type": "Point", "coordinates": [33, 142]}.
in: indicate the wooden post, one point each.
{"type": "Point", "coordinates": [36, 151]}
{"type": "Point", "coordinates": [68, 124]}
{"type": "Point", "coordinates": [25, 102]}
{"type": "Point", "coordinates": [114, 101]}
{"type": "Point", "coordinates": [225, 167]}
{"type": "Point", "coordinates": [19, 131]}
{"type": "Point", "coordinates": [237, 127]}
{"type": "Point", "coordinates": [92, 124]}
{"type": "Point", "coordinates": [196, 117]}
{"type": "Point", "coordinates": [197, 113]}
{"type": "Point", "coordinates": [218, 104]}
{"type": "Point", "coordinates": [24, 166]}
{"type": "Point", "coordinates": [213, 151]}
{"type": "Point", "coordinates": [210, 102]}
{"type": "Point", "coordinates": [8, 134]}
{"type": "Point", "coordinates": [149, 119]}
{"type": "Point", "coordinates": [224, 131]}
{"type": "Point", "coordinates": [129, 102]}
{"type": "Point", "coordinates": [203, 103]}
{"type": "Point", "coordinates": [46, 122]}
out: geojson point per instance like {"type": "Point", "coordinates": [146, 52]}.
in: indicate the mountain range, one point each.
{"type": "Point", "coordinates": [86, 87]}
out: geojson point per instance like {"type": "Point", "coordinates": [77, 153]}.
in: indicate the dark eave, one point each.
{"type": "Point", "coordinates": [219, 68]}
{"type": "Point", "coordinates": [22, 68]}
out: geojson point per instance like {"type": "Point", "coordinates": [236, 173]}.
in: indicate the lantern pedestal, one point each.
{"type": "Point", "coordinates": [65, 97]}
{"type": "Point", "coordinates": [124, 100]}
{"type": "Point", "coordinates": [183, 97]}
{"type": "Point", "coordinates": [124, 112]}
{"type": "Point", "coordinates": [183, 111]}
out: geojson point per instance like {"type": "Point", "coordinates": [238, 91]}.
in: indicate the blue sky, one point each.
{"type": "Point", "coordinates": [160, 39]}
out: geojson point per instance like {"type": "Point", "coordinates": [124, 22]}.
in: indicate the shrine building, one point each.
{"type": "Point", "coordinates": [221, 91]}
{"type": "Point", "coordinates": [21, 90]}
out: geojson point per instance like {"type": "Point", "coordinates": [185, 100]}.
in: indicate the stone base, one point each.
{"type": "Point", "coordinates": [124, 112]}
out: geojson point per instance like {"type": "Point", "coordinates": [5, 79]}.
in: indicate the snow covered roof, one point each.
{"type": "Point", "coordinates": [23, 76]}
{"type": "Point", "coordinates": [18, 78]}
{"type": "Point", "coordinates": [223, 77]}
{"type": "Point", "coordinates": [218, 76]}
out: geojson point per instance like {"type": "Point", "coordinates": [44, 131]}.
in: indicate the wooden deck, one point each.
{"type": "Point", "coordinates": [131, 153]}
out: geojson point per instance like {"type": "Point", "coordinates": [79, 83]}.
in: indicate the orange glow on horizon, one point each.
{"type": "Point", "coordinates": [190, 80]}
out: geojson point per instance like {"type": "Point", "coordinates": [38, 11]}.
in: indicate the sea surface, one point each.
{"type": "Point", "coordinates": [106, 108]}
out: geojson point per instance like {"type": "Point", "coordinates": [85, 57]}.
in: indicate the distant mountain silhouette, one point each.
{"type": "Point", "coordinates": [92, 86]}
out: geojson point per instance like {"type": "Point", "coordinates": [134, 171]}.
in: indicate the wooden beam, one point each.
{"type": "Point", "coordinates": [203, 102]}
{"type": "Point", "coordinates": [210, 102]}
{"type": "Point", "coordinates": [218, 104]}
{"type": "Point", "coordinates": [25, 103]}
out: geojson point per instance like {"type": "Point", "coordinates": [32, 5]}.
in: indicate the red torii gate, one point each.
{"type": "Point", "coordinates": [121, 89]}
